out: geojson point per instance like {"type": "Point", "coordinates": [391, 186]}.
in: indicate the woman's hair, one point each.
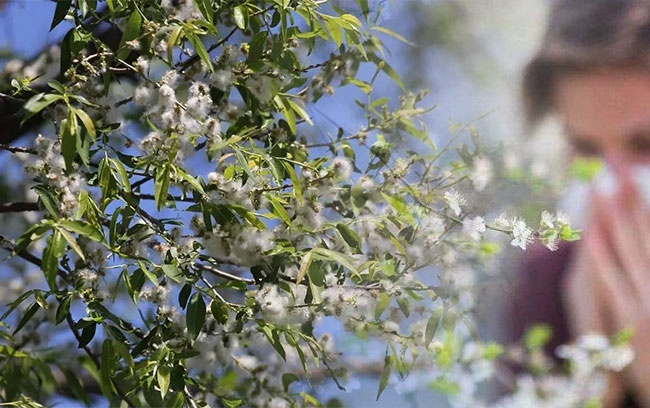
{"type": "Point", "coordinates": [584, 35]}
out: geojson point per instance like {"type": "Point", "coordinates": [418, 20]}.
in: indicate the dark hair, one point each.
{"type": "Point", "coordinates": [584, 35]}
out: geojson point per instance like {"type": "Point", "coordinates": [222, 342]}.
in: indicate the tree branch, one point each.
{"type": "Point", "coordinates": [224, 275]}
{"type": "Point", "coordinates": [18, 207]}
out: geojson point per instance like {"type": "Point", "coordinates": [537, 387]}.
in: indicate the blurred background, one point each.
{"type": "Point", "coordinates": [467, 53]}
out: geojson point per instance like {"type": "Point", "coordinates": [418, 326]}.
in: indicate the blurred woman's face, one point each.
{"type": "Point", "coordinates": [606, 113]}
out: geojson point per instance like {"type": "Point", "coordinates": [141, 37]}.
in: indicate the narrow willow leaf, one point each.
{"type": "Point", "coordinates": [62, 7]}
{"type": "Point", "coordinates": [82, 228]}
{"type": "Point", "coordinates": [122, 175]}
{"type": "Point", "coordinates": [87, 334]}
{"type": "Point", "coordinates": [297, 107]}
{"type": "Point", "coordinates": [12, 352]}
{"type": "Point", "coordinates": [200, 50]}
{"type": "Point", "coordinates": [161, 186]}
{"type": "Point", "coordinates": [278, 209]}
{"type": "Point", "coordinates": [431, 328]}
{"type": "Point", "coordinates": [240, 19]}
{"type": "Point", "coordinates": [274, 338]}
{"type": "Point", "coordinates": [350, 237]}
{"type": "Point", "coordinates": [39, 102]}
{"type": "Point", "coordinates": [87, 122]}
{"type": "Point", "coordinates": [53, 250]}
{"type": "Point", "coordinates": [195, 317]}
{"type": "Point", "coordinates": [304, 266]}
{"type": "Point", "coordinates": [393, 34]}
{"type": "Point", "coordinates": [68, 134]}
{"type": "Point", "coordinates": [163, 374]}
{"type": "Point", "coordinates": [131, 32]}
{"type": "Point", "coordinates": [173, 272]}
{"type": "Point", "coordinates": [191, 180]}
{"type": "Point", "coordinates": [106, 367]}
{"type": "Point", "coordinates": [174, 37]}
{"type": "Point", "coordinates": [48, 200]}
{"type": "Point", "coordinates": [63, 310]}
{"type": "Point", "coordinates": [334, 30]}
{"type": "Point", "coordinates": [289, 114]}
{"type": "Point", "coordinates": [29, 313]}
{"type": "Point", "coordinates": [329, 255]}
{"type": "Point", "coordinates": [219, 311]}
{"type": "Point", "coordinates": [385, 374]}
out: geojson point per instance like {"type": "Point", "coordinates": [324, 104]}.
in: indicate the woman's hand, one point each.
{"type": "Point", "coordinates": [608, 286]}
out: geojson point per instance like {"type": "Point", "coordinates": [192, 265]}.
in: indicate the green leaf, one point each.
{"type": "Point", "coordinates": [431, 328]}
{"type": "Point", "coordinates": [39, 102]}
{"type": "Point", "coordinates": [334, 29]}
{"type": "Point", "coordinates": [363, 85]}
{"type": "Point", "coordinates": [297, 188]}
{"type": "Point", "coordinates": [68, 134]}
{"type": "Point", "coordinates": [387, 69]}
{"type": "Point", "coordinates": [191, 180]}
{"type": "Point", "coordinates": [131, 32]}
{"type": "Point", "coordinates": [537, 336]}
{"type": "Point", "coordinates": [288, 113]}
{"type": "Point", "coordinates": [195, 317]}
{"type": "Point", "coordinates": [184, 295]}
{"type": "Point", "coordinates": [161, 186]}
{"type": "Point", "coordinates": [278, 209]}
{"type": "Point", "coordinates": [62, 7]}
{"type": "Point", "coordinates": [304, 266]}
{"type": "Point", "coordinates": [82, 228]}
{"type": "Point", "coordinates": [63, 310]}
{"type": "Point", "coordinates": [163, 374]}
{"type": "Point", "coordinates": [241, 20]}
{"type": "Point", "coordinates": [29, 313]}
{"type": "Point", "coordinates": [299, 110]}
{"type": "Point", "coordinates": [51, 254]}
{"type": "Point", "coordinates": [48, 200]}
{"type": "Point", "coordinates": [174, 38]}
{"type": "Point", "coordinates": [329, 255]}
{"type": "Point", "coordinates": [393, 34]}
{"type": "Point", "coordinates": [350, 237]}
{"type": "Point", "coordinates": [385, 375]}
{"type": "Point", "coordinates": [87, 334]}
{"type": "Point", "coordinates": [173, 272]}
{"type": "Point", "coordinates": [87, 122]}
{"type": "Point", "coordinates": [122, 175]}
{"type": "Point", "coordinates": [219, 311]}
{"type": "Point", "coordinates": [106, 367]}
{"type": "Point", "coordinates": [12, 352]}
{"type": "Point", "coordinates": [200, 50]}
{"type": "Point", "coordinates": [20, 299]}
{"type": "Point", "coordinates": [274, 338]}
{"type": "Point", "coordinates": [287, 379]}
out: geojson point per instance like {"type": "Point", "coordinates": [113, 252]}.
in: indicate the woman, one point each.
{"type": "Point", "coordinates": [593, 72]}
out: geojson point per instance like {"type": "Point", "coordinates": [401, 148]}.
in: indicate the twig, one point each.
{"type": "Point", "coordinates": [18, 207]}
{"type": "Point", "coordinates": [95, 360]}
{"type": "Point", "coordinates": [223, 274]}
{"type": "Point", "coordinates": [11, 247]}
{"type": "Point", "coordinates": [17, 149]}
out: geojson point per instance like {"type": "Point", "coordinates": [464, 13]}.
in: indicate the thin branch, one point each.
{"type": "Point", "coordinates": [18, 207]}
{"type": "Point", "coordinates": [11, 247]}
{"type": "Point", "coordinates": [224, 275]}
{"type": "Point", "coordinates": [10, 97]}
{"type": "Point", "coordinates": [169, 197]}
{"type": "Point", "coordinates": [17, 149]}
{"type": "Point", "coordinates": [95, 359]}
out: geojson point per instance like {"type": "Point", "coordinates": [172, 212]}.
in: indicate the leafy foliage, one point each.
{"type": "Point", "coordinates": [195, 231]}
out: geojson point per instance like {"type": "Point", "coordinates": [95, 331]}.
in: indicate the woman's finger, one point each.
{"type": "Point", "coordinates": [618, 221]}
{"type": "Point", "coordinates": [619, 295]}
